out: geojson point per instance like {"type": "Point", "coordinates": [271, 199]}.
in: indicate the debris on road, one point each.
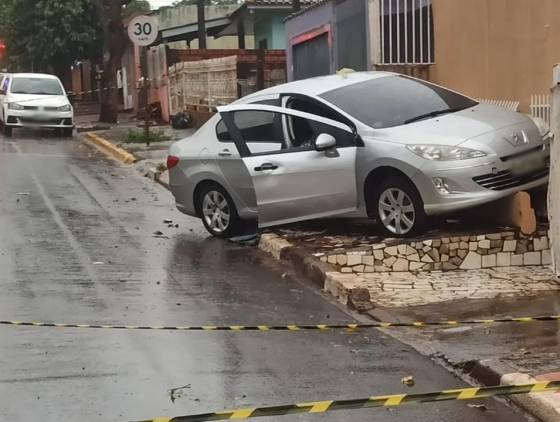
{"type": "Point", "coordinates": [408, 381]}
{"type": "Point", "coordinates": [178, 392]}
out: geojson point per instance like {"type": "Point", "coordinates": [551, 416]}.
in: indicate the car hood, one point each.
{"type": "Point", "coordinates": [455, 128]}
{"type": "Point", "coordinates": [38, 100]}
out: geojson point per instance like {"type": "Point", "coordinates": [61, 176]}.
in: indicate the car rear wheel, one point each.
{"type": "Point", "coordinates": [398, 207]}
{"type": "Point", "coordinates": [218, 211]}
{"type": "Point", "coordinates": [67, 132]}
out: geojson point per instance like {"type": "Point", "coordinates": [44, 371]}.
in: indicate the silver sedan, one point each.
{"type": "Point", "coordinates": [376, 144]}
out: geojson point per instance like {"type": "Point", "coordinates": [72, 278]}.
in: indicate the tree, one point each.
{"type": "Point", "coordinates": [48, 35]}
{"type": "Point", "coordinates": [115, 39]}
{"type": "Point", "coordinates": [136, 7]}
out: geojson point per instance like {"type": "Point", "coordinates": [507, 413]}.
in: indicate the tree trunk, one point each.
{"type": "Point", "coordinates": [114, 44]}
{"type": "Point", "coordinates": [554, 184]}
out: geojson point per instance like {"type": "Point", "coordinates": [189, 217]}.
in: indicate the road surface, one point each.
{"type": "Point", "coordinates": [77, 245]}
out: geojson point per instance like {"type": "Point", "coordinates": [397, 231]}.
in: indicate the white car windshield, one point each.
{"type": "Point", "coordinates": [38, 86]}
{"type": "Point", "coordinates": [396, 100]}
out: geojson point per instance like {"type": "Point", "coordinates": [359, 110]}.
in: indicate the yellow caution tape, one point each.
{"type": "Point", "coordinates": [375, 401]}
{"type": "Point", "coordinates": [289, 327]}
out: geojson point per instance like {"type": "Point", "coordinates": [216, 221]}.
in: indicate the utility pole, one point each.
{"type": "Point", "coordinates": [201, 24]}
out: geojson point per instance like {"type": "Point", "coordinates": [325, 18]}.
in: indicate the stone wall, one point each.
{"type": "Point", "coordinates": [504, 249]}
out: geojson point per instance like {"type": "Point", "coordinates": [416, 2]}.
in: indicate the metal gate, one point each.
{"type": "Point", "coordinates": [312, 58]}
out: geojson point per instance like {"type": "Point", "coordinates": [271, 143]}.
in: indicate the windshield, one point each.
{"type": "Point", "coordinates": [39, 86]}
{"type": "Point", "coordinates": [395, 100]}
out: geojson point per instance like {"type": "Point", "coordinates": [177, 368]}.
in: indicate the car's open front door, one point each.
{"type": "Point", "coordinates": [294, 179]}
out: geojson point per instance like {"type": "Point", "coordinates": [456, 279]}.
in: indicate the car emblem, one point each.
{"type": "Point", "coordinates": [518, 139]}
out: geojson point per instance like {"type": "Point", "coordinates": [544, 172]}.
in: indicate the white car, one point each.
{"type": "Point", "coordinates": [34, 100]}
{"type": "Point", "coordinates": [366, 144]}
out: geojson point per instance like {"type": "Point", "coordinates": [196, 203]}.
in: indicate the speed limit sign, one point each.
{"type": "Point", "coordinates": [143, 30]}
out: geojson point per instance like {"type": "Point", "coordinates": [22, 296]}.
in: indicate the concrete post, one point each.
{"type": "Point", "coordinates": [554, 185]}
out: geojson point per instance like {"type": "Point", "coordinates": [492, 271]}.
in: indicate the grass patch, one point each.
{"type": "Point", "coordinates": [139, 137]}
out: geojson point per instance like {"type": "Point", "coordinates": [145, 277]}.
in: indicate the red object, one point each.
{"type": "Point", "coordinates": [172, 161]}
{"type": "Point", "coordinates": [2, 48]}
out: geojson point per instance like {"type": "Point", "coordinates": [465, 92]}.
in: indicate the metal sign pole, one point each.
{"type": "Point", "coordinates": [145, 99]}
{"type": "Point", "coordinates": [143, 31]}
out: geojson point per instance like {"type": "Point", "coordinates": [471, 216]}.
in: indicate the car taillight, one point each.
{"type": "Point", "coordinates": [172, 161]}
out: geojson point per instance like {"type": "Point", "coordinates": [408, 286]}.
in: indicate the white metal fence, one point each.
{"type": "Point", "coordinates": [406, 32]}
{"type": "Point", "coordinates": [508, 104]}
{"type": "Point", "coordinates": [540, 107]}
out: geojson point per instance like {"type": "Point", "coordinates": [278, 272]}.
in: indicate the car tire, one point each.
{"type": "Point", "coordinates": [7, 130]}
{"type": "Point", "coordinates": [398, 208]}
{"type": "Point", "coordinates": [217, 211]}
{"type": "Point", "coordinates": [67, 132]}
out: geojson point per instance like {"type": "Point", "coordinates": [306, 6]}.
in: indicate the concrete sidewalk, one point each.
{"type": "Point", "coordinates": [490, 354]}
{"type": "Point", "coordinates": [148, 160]}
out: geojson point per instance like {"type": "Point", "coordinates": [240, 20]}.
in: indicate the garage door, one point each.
{"type": "Point", "coordinates": [312, 58]}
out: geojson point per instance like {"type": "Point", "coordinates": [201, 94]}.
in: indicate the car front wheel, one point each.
{"type": "Point", "coordinates": [398, 207]}
{"type": "Point", "coordinates": [218, 211]}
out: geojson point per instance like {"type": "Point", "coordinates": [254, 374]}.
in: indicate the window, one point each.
{"type": "Point", "coordinates": [221, 128]}
{"type": "Point", "coordinates": [395, 100]}
{"type": "Point", "coordinates": [407, 32]}
{"type": "Point", "coordinates": [316, 108]}
{"type": "Point", "coordinates": [38, 86]}
{"type": "Point", "coordinates": [303, 132]}
{"type": "Point", "coordinates": [261, 130]}
{"type": "Point", "coordinates": [222, 132]}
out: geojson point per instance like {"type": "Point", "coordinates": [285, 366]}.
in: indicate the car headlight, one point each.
{"type": "Point", "coordinates": [542, 126]}
{"type": "Point", "coordinates": [66, 107]}
{"type": "Point", "coordinates": [15, 106]}
{"type": "Point", "coordinates": [444, 153]}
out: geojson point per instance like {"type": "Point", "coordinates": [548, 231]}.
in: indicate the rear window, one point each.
{"type": "Point", "coordinates": [395, 100]}
{"type": "Point", "coordinates": [38, 86]}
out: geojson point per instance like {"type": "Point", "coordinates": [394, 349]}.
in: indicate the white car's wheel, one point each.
{"type": "Point", "coordinates": [218, 211]}
{"type": "Point", "coordinates": [399, 209]}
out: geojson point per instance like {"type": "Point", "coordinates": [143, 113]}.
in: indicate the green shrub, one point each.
{"type": "Point", "coordinates": [139, 137]}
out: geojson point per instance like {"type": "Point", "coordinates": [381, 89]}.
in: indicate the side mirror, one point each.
{"type": "Point", "coordinates": [324, 142]}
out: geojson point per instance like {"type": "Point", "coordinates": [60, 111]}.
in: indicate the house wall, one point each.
{"type": "Point", "coordinates": [269, 26]}
{"type": "Point", "coordinates": [306, 24]}
{"type": "Point", "coordinates": [502, 49]}
{"type": "Point", "coordinates": [350, 35]}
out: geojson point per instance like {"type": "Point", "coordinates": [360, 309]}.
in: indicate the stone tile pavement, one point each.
{"type": "Point", "coordinates": [395, 290]}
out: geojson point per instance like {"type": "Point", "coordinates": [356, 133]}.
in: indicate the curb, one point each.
{"type": "Point", "coordinates": [341, 286]}
{"type": "Point", "coordinates": [545, 406]}
{"type": "Point", "coordinates": [110, 149]}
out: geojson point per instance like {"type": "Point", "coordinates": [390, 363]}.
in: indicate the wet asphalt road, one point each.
{"type": "Point", "coordinates": [77, 245]}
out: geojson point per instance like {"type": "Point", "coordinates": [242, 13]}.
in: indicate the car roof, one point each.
{"type": "Point", "coordinates": [33, 75]}
{"type": "Point", "coordinates": [320, 84]}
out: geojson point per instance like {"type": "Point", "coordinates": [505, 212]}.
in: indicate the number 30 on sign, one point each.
{"type": "Point", "coordinates": [143, 30]}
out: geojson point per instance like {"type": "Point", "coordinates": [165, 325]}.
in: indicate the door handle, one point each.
{"type": "Point", "coordinates": [224, 153]}
{"type": "Point", "coordinates": [266, 166]}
